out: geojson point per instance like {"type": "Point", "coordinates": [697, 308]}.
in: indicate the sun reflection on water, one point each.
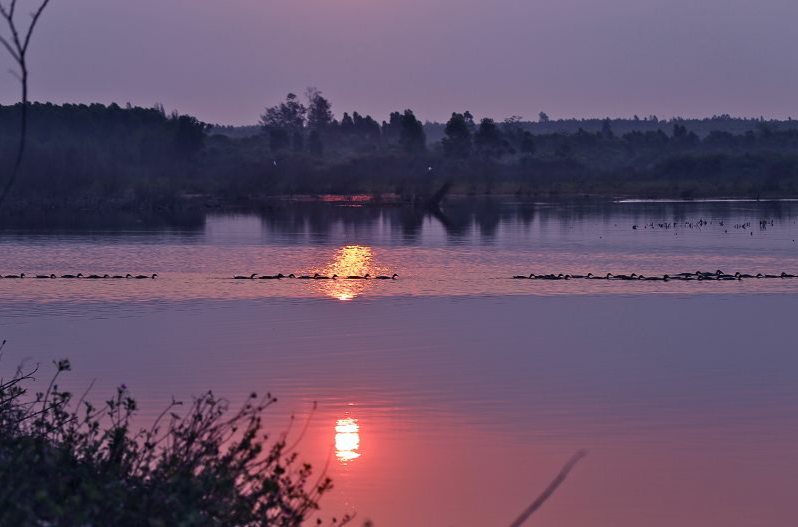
{"type": "Point", "coordinates": [351, 260]}
{"type": "Point", "coordinates": [347, 439]}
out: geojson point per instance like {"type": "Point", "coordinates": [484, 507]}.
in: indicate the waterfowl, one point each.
{"type": "Point", "coordinates": [738, 274]}
{"type": "Point", "coordinates": [155, 275]}
{"type": "Point", "coordinates": [119, 276]}
{"type": "Point", "coordinates": [97, 277]}
{"type": "Point", "coordinates": [786, 275]}
{"type": "Point", "coordinates": [319, 277]}
{"type": "Point", "coordinates": [272, 277]}
{"type": "Point", "coordinates": [69, 276]}
{"type": "Point", "coordinates": [307, 277]}
{"type": "Point", "coordinates": [516, 277]}
{"type": "Point", "coordinates": [394, 277]}
{"type": "Point", "coordinates": [292, 275]}
{"type": "Point", "coordinates": [356, 277]}
{"type": "Point", "coordinates": [20, 275]}
{"type": "Point", "coordinates": [41, 276]}
{"type": "Point", "coordinates": [236, 277]}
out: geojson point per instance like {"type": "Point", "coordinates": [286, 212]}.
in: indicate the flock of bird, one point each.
{"type": "Point", "coordinates": [698, 275]}
{"type": "Point", "coordinates": [81, 276]}
{"type": "Point", "coordinates": [317, 276]}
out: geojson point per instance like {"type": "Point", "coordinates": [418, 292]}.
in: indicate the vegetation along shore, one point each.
{"type": "Point", "coordinates": [112, 157]}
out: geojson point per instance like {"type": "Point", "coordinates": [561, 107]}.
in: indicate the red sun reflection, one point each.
{"type": "Point", "coordinates": [347, 439]}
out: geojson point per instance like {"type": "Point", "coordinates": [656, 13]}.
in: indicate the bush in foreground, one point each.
{"type": "Point", "coordinates": [67, 463]}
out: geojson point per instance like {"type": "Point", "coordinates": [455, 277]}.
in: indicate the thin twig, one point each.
{"type": "Point", "coordinates": [556, 482]}
{"type": "Point", "coordinates": [18, 49]}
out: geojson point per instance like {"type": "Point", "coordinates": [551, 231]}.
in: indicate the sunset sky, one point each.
{"type": "Point", "coordinates": [224, 60]}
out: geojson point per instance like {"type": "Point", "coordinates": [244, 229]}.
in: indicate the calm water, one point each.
{"type": "Point", "coordinates": [452, 395]}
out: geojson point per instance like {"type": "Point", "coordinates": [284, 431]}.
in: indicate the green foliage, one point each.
{"type": "Point", "coordinates": [67, 463]}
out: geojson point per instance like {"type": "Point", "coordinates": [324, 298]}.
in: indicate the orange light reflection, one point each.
{"type": "Point", "coordinates": [352, 260]}
{"type": "Point", "coordinates": [347, 439]}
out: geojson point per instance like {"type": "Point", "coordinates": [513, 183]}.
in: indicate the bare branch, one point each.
{"type": "Point", "coordinates": [18, 50]}
{"type": "Point", "coordinates": [33, 23]}
{"type": "Point", "coordinates": [556, 482]}
{"type": "Point", "coordinates": [10, 49]}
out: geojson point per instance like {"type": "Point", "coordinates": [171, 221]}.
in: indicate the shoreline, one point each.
{"type": "Point", "coordinates": [254, 204]}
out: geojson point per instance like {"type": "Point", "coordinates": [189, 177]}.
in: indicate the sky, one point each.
{"type": "Point", "coordinates": [225, 60]}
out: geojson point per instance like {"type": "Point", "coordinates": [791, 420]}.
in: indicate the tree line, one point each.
{"type": "Point", "coordinates": [96, 156]}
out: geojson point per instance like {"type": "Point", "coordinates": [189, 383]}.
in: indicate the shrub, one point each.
{"type": "Point", "coordinates": [67, 463]}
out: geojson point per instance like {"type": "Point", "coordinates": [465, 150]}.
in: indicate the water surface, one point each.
{"type": "Point", "coordinates": [453, 394]}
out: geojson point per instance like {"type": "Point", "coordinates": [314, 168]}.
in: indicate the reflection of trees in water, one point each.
{"type": "Point", "coordinates": [190, 223]}
{"type": "Point", "coordinates": [460, 218]}
{"type": "Point", "coordinates": [316, 223]}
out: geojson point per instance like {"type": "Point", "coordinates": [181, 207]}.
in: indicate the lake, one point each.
{"type": "Point", "coordinates": [452, 395]}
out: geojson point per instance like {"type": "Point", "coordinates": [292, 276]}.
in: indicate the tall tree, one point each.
{"type": "Point", "coordinates": [17, 44]}
{"type": "Point", "coordinates": [489, 140]}
{"type": "Point", "coordinates": [288, 115]}
{"type": "Point", "coordinates": [457, 142]}
{"type": "Point", "coordinates": [319, 112]}
{"type": "Point", "coordinates": [411, 133]}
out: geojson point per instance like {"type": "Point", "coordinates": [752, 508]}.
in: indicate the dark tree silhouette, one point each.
{"type": "Point", "coordinates": [489, 139]}
{"type": "Point", "coordinates": [457, 142]}
{"type": "Point", "coordinates": [411, 133]}
{"type": "Point", "coordinates": [319, 111]}
{"type": "Point", "coordinates": [17, 46]}
{"type": "Point", "coordinates": [285, 122]}
{"type": "Point", "coordinates": [315, 144]}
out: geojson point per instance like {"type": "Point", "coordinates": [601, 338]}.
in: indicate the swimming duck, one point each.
{"type": "Point", "coordinates": [119, 276]}
{"type": "Point", "coordinates": [278, 276]}
{"type": "Point", "coordinates": [237, 277]}
{"type": "Point", "coordinates": [70, 276]}
{"type": "Point", "coordinates": [394, 277]}
{"type": "Point", "coordinates": [155, 275]}
{"type": "Point", "coordinates": [356, 277]}
{"type": "Point", "coordinates": [517, 277]}
{"type": "Point", "coordinates": [20, 275]}
{"type": "Point", "coordinates": [41, 276]}
{"type": "Point", "coordinates": [319, 277]}
{"type": "Point", "coordinates": [97, 277]}
{"type": "Point", "coordinates": [307, 277]}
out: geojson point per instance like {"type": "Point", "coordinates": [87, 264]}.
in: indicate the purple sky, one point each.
{"type": "Point", "coordinates": [223, 60]}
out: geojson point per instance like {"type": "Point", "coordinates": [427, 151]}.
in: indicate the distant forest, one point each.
{"type": "Point", "coordinates": [96, 156]}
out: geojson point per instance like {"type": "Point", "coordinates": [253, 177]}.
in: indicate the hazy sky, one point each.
{"type": "Point", "coordinates": [223, 60]}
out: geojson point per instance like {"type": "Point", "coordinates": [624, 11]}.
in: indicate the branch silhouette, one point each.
{"type": "Point", "coordinates": [555, 483]}
{"type": "Point", "coordinates": [17, 44]}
